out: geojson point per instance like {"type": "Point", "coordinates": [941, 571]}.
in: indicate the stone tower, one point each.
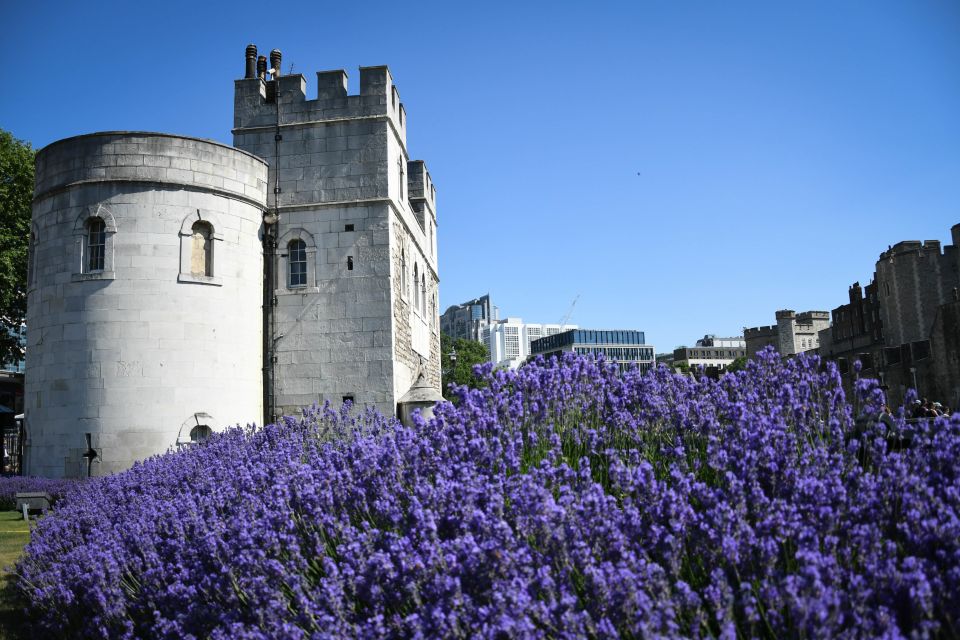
{"type": "Point", "coordinates": [350, 239]}
{"type": "Point", "coordinates": [144, 291]}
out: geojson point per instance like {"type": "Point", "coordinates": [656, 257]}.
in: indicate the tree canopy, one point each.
{"type": "Point", "coordinates": [16, 194]}
{"type": "Point", "coordinates": [469, 353]}
{"type": "Point", "coordinates": [739, 364]}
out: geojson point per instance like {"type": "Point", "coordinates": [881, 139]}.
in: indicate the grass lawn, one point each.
{"type": "Point", "coordinates": [14, 534]}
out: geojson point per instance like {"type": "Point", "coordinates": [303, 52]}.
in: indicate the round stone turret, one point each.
{"type": "Point", "coordinates": [145, 293]}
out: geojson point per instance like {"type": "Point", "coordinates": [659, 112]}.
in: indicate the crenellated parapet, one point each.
{"type": "Point", "coordinates": [760, 332]}
{"type": "Point", "coordinates": [259, 102]}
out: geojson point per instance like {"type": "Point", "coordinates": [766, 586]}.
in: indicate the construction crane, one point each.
{"type": "Point", "coordinates": [566, 318]}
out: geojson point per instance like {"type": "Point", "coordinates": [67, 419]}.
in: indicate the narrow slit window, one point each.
{"type": "Point", "coordinates": [349, 263]}
{"type": "Point", "coordinates": [423, 294]}
{"type": "Point", "coordinates": [31, 259]}
{"type": "Point", "coordinates": [297, 263]}
{"type": "Point", "coordinates": [96, 244]}
{"type": "Point", "coordinates": [403, 272]}
{"type": "Point", "coordinates": [416, 289]}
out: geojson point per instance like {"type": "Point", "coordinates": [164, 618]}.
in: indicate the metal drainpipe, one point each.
{"type": "Point", "coordinates": [271, 365]}
{"type": "Point", "coordinates": [269, 242]}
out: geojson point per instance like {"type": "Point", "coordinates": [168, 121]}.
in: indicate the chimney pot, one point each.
{"type": "Point", "coordinates": [251, 70]}
{"type": "Point", "coordinates": [262, 67]}
{"type": "Point", "coordinates": [275, 59]}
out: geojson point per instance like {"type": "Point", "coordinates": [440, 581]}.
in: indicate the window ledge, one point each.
{"type": "Point", "coordinates": [211, 280]}
{"type": "Point", "coordinates": [93, 275]}
{"type": "Point", "coordinates": [298, 290]}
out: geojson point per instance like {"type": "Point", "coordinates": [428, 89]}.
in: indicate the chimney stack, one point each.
{"type": "Point", "coordinates": [262, 67]}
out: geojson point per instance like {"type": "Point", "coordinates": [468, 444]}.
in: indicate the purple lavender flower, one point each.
{"type": "Point", "coordinates": [560, 500]}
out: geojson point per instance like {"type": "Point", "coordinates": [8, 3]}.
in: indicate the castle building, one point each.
{"type": "Point", "coordinates": [913, 279]}
{"type": "Point", "coordinates": [904, 326]}
{"type": "Point", "coordinates": [178, 286]}
{"type": "Point", "coordinates": [793, 333]}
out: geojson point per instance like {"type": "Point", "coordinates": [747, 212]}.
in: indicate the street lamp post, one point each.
{"type": "Point", "coordinates": [452, 357]}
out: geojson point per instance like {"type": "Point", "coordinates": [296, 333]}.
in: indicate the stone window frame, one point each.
{"type": "Point", "coordinates": [194, 420]}
{"type": "Point", "coordinates": [186, 248]}
{"type": "Point", "coordinates": [81, 270]}
{"type": "Point", "coordinates": [283, 243]}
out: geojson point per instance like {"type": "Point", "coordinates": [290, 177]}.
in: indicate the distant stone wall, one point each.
{"type": "Point", "coordinates": [945, 350]}
{"type": "Point", "coordinates": [913, 279]}
{"type": "Point", "coordinates": [759, 338]}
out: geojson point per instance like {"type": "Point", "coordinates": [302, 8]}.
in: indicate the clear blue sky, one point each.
{"type": "Point", "coordinates": [686, 167]}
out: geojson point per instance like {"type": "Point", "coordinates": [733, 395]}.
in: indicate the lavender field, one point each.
{"type": "Point", "coordinates": [557, 501]}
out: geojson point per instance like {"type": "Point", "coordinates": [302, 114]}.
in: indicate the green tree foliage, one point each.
{"type": "Point", "coordinates": [737, 365]}
{"type": "Point", "coordinates": [469, 353]}
{"type": "Point", "coordinates": [16, 193]}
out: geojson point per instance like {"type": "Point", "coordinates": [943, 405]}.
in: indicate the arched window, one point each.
{"type": "Point", "coordinates": [93, 234]}
{"type": "Point", "coordinates": [200, 433]}
{"type": "Point", "coordinates": [416, 291]}
{"type": "Point", "coordinates": [96, 243]}
{"type": "Point", "coordinates": [201, 250]}
{"type": "Point", "coordinates": [297, 263]}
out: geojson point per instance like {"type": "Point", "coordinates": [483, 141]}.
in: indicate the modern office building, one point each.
{"type": "Point", "coordinates": [509, 341]}
{"type": "Point", "coordinates": [16, 364]}
{"type": "Point", "coordinates": [711, 352]}
{"type": "Point", "coordinates": [626, 348]}
{"type": "Point", "coordinates": [467, 321]}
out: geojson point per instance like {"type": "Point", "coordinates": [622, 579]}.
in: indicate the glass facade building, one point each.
{"type": "Point", "coordinates": [625, 347]}
{"type": "Point", "coordinates": [467, 321]}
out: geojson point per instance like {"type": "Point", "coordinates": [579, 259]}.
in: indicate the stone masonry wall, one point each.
{"type": "Point", "coordinates": [913, 280]}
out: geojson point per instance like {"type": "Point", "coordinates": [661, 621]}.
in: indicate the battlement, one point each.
{"type": "Point", "coordinates": [786, 314]}
{"type": "Point", "coordinates": [921, 249]}
{"type": "Point", "coordinates": [760, 332]}
{"type": "Point", "coordinates": [260, 95]}
{"type": "Point", "coordinates": [808, 317]}
{"type": "Point", "coordinates": [420, 184]}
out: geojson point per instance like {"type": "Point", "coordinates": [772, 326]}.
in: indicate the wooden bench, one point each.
{"type": "Point", "coordinates": [35, 501]}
